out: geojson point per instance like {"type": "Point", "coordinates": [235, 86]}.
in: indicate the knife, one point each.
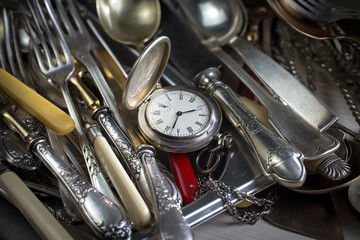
{"type": "Point", "coordinates": [308, 140]}
{"type": "Point", "coordinates": [39, 107]}
{"type": "Point", "coordinates": [30, 206]}
{"type": "Point", "coordinates": [196, 63]}
{"type": "Point", "coordinates": [88, 200]}
{"type": "Point", "coordinates": [168, 215]}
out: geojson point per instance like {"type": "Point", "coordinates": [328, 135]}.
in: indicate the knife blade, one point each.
{"type": "Point", "coordinates": [193, 59]}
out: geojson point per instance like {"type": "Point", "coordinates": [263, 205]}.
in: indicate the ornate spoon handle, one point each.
{"type": "Point", "coordinates": [102, 215]}
{"type": "Point", "coordinates": [278, 160]}
{"type": "Point", "coordinates": [171, 223]}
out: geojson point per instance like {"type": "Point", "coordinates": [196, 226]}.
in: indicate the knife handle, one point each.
{"type": "Point", "coordinates": [125, 148]}
{"type": "Point", "coordinates": [131, 198]}
{"type": "Point", "coordinates": [33, 210]}
{"type": "Point", "coordinates": [184, 176]}
{"type": "Point", "coordinates": [101, 214]}
{"type": "Point", "coordinates": [43, 110]}
{"type": "Point", "coordinates": [278, 160]}
{"type": "Point", "coordinates": [170, 221]}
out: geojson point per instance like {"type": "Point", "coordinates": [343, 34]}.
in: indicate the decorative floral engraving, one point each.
{"type": "Point", "coordinates": [272, 152]}
{"type": "Point", "coordinates": [73, 180]}
{"type": "Point", "coordinates": [164, 200]}
{"type": "Point", "coordinates": [23, 159]}
{"type": "Point", "coordinates": [90, 161]}
{"type": "Point", "coordinates": [15, 150]}
{"type": "Point", "coordinates": [122, 144]}
{"type": "Point", "coordinates": [116, 231]}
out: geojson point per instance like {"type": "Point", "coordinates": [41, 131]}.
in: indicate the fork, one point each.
{"type": "Point", "coordinates": [79, 42]}
{"type": "Point", "coordinates": [326, 11]}
{"type": "Point", "coordinates": [55, 62]}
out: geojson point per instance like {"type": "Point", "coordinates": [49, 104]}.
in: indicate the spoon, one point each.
{"type": "Point", "coordinates": [305, 25]}
{"type": "Point", "coordinates": [276, 79]}
{"type": "Point", "coordinates": [130, 22]}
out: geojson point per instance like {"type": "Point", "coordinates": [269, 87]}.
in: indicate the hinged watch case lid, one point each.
{"type": "Point", "coordinates": [146, 72]}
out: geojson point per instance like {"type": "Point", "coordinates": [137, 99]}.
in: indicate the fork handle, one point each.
{"type": "Point", "coordinates": [101, 214]}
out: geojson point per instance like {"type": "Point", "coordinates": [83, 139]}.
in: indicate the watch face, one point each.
{"type": "Point", "coordinates": [178, 113]}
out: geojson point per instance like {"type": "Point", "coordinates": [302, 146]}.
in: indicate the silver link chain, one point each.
{"type": "Point", "coordinates": [207, 183]}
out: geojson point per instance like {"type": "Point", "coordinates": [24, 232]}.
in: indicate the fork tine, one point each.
{"type": "Point", "coordinates": [53, 41]}
{"type": "Point", "coordinates": [8, 46]}
{"type": "Point", "coordinates": [37, 37]}
{"type": "Point", "coordinates": [59, 33]}
{"type": "Point", "coordinates": [73, 13]}
{"type": "Point", "coordinates": [16, 49]}
{"type": "Point", "coordinates": [64, 17]}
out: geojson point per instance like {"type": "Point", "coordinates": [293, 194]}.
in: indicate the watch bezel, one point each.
{"type": "Point", "coordinates": [181, 143]}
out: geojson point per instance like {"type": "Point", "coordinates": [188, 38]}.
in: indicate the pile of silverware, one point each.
{"type": "Point", "coordinates": [112, 115]}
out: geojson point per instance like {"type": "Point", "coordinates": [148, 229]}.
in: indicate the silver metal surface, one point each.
{"type": "Point", "coordinates": [91, 203]}
{"type": "Point", "coordinates": [312, 143]}
{"type": "Point", "coordinates": [307, 26]}
{"type": "Point", "coordinates": [129, 22]}
{"type": "Point", "coordinates": [170, 221]}
{"type": "Point", "coordinates": [15, 152]}
{"type": "Point", "coordinates": [279, 161]}
{"type": "Point", "coordinates": [327, 10]}
{"type": "Point", "coordinates": [59, 72]}
{"type": "Point", "coordinates": [79, 42]}
{"type": "Point", "coordinates": [276, 79]}
{"type": "Point", "coordinates": [284, 86]}
{"type": "Point", "coordinates": [146, 72]}
{"type": "Point", "coordinates": [125, 149]}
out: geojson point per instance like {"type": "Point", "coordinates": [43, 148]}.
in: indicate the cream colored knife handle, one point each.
{"type": "Point", "coordinates": [43, 110]}
{"type": "Point", "coordinates": [125, 148]}
{"type": "Point", "coordinates": [30, 206]}
{"type": "Point", "coordinates": [131, 198]}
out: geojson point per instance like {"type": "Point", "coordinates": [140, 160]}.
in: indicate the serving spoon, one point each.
{"type": "Point", "coordinates": [129, 22]}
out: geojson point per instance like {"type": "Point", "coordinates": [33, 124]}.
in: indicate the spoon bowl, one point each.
{"type": "Point", "coordinates": [217, 21]}
{"type": "Point", "coordinates": [129, 22]}
{"type": "Point", "coordinates": [305, 25]}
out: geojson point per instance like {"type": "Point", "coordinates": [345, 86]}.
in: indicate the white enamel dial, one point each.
{"type": "Point", "coordinates": [178, 113]}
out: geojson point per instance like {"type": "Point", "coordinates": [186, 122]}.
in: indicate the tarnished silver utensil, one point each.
{"type": "Point", "coordinates": [306, 26]}
{"type": "Point", "coordinates": [82, 193]}
{"type": "Point", "coordinates": [327, 10]}
{"type": "Point", "coordinates": [277, 80]}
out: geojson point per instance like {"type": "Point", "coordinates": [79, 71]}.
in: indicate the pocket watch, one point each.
{"type": "Point", "coordinates": [173, 118]}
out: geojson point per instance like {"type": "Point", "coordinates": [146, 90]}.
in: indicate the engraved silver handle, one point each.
{"type": "Point", "coordinates": [278, 160]}
{"type": "Point", "coordinates": [171, 223]}
{"type": "Point", "coordinates": [96, 176]}
{"type": "Point", "coordinates": [102, 215]}
{"type": "Point", "coordinates": [312, 143]}
{"type": "Point", "coordinates": [125, 149]}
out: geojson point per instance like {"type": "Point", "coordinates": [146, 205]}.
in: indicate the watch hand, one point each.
{"type": "Point", "coordinates": [193, 110]}
{"type": "Point", "coordinates": [179, 113]}
{"type": "Point", "coordinates": [162, 105]}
